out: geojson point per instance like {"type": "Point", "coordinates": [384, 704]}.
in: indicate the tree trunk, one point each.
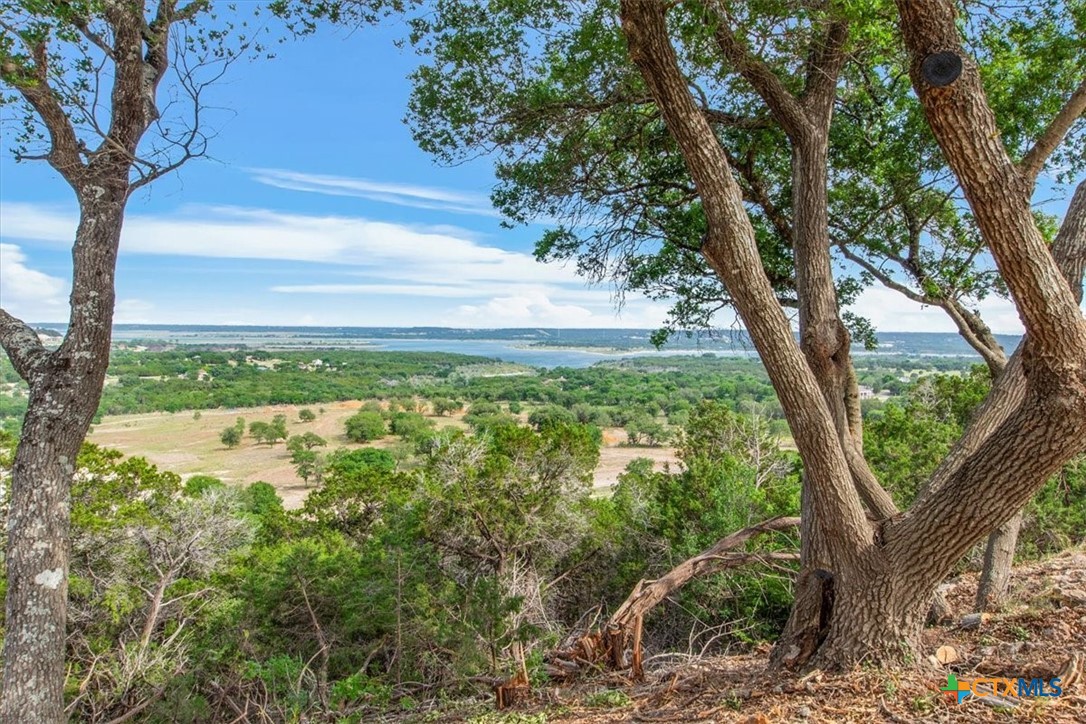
{"type": "Point", "coordinates": [1069, 251]}
{"type": "Point", "coordinates": [37, 559]}
{"type": "Point", "coordinates": [824, 340]}
{"type": "Point", "coordinates": [807, 619]}
{"type": "Point", "coordinates": [872, 600]}
{"type": "Point", "coordinates": [875, 615]}
{"type": "Point", "coordinates": [65, 388]}
{"type": "Point", "coordinates": [995, 577]}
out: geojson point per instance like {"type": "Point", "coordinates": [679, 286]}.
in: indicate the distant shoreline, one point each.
{"type": "Point", "coordinates": [591, 349]}
{"type": "Point", "coordinates": [523, 343]}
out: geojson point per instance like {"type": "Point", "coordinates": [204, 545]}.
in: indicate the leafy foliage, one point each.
{"type": "Point", "coordinates": [365, 426]}
{"type": "Point", "coordinates": [905, 440]}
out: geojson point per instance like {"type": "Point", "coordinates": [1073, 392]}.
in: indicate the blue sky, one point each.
{"type": "Point", "coordinates": [317, 208]}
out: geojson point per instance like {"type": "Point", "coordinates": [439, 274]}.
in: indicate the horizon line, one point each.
{"type": "Point", "coordinates": [185, 325]}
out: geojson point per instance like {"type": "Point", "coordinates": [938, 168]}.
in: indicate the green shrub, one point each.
{"type": "Point", "coordinates": [365, 426]}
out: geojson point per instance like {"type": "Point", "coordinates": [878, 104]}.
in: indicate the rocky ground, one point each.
{"type": "Point", "coordinates": [1041, 633]}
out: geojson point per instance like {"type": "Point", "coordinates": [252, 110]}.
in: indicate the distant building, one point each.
{"type": "Point", "coordinates": [866, 393]}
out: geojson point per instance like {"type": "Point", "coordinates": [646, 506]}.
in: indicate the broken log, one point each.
{"type": "Point", "coordinates": [608, 647]}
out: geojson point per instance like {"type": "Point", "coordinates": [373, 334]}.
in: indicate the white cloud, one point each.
{"type": "Point", "coordinates": [414, 290]}
{"type": "Point", "coordinates": [534, 308]}
{"type": "Point", "coordinates": [431, 263]}
{"type": "Point", "coordinates": [484, 285]}
{"type": "Point", "coordinates": [442, 261]}
{"type": "Point", "coordinates": [419, 254]}
{"type": "Point", "coordinates": [419, 197]}
{"type": "Point", "coordinates": [28, 293]}
{"type": "Point", "coordinates": [37, 222]}
{"type": "Point", "coordinates": [521, 310]}
{"type": "Point", "coordinates": [890, 311]}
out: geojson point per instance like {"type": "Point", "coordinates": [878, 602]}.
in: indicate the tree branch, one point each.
{"type": "Point", "coordinates": [969, 325]}
{"type": "Point", "coordinates": [732, 251]}
{"type": "Point", "coordinates": [823, 69]}
{"type": "Point", "coordinates": [82, 24]}
{"type": "Point", "coordinates": [965, 126]}
{"type": "Point", "coordinates": [989, 487]}
{"type": "Point", "coordinates": [732, 120]}
{"type": "Point", "coordinates": [878, 502]}
{"type": "Point", "coordinates": [137, 75]}
{"type": "Point", "coordinates": [979, 336]}
{"type": "Point", "coordinates": [759, 194]}
{"type": "Point", "coordinates": [881, 276]}
{"type": "Point", "coordinates": [25, 350]}
{"type": "Point", "coordinates": [611, 642]}
{"type": "Point", "coordinates": [1069, 246]}
{"type": "Point", "coordinates": [1034, 160]}
{"type": "Point", "coordinates": [784, 106]}
{"type": "Point", "coordinates": [64, 147]}
{"type": "Point", "coordinates": [1009, 390]}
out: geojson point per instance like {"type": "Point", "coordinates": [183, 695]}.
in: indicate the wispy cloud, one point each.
{"type": "Point", "coordinates": [385, 250]}
{"type": "Point", "coordinates": [412, 195]}
{"type": "Point", "coordinates": [28, 293]}
{"type": "Point", "coordinates": [890, 311]}
{"type": "Point", "coordinates": [440, 274]}
{"type": "Point", "coordinates": [435, 275]}
{"type": "Point", "coordinates": [134, 311]}
{"type": "Point", "coordinates": [528, 308]}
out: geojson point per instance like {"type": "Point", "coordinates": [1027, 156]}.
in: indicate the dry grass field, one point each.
{"type": "Point", "coordinates": [189, 445]}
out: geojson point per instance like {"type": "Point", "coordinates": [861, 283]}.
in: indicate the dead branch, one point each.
{"type": "Point", "coordinates": [607, 647]}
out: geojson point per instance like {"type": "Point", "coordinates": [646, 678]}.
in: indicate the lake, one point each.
{"type": "Point", "coordinates": [499, 349]}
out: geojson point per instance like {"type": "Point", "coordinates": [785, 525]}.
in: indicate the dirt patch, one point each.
{"type": "Point", "coordinates": [613, 462]}
{"type": "Point", "coordinates": [188, 444]}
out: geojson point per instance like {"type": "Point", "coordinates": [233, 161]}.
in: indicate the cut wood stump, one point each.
{"type": "Point", "coordinates": [947, 655]}
{"type": "Point", "coordinates": [517, 689]}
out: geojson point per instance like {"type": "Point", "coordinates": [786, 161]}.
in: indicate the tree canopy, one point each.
{"type": "Point", "coordinates": [775, 159]}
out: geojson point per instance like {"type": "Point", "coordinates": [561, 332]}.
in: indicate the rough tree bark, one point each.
{"type": "Point", "coordinates": [1069, 251]}
{"type": "Point", "coordinates": [931, 30]}
{"type": "Point", "coordinates": [824, 340]}
{"type": "Point", "coordinates": [884, 572]}
{"type": "Point", "coordinates": [66, 383]}
{"type": "Point", "coordinates": [65, 387]}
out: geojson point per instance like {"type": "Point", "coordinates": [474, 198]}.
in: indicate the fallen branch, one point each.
{"type": "Point", "coordinates": [608, 647]}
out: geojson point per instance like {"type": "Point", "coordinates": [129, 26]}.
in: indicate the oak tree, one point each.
{"type": "Point", "coordinates": [692, 149]}
{"type": "Point", "coordinates": [84, 79]}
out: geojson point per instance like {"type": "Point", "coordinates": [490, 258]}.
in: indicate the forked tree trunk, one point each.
{"type": "Point", "coordinates": [823, 338]}
{"type": "Point", "coordinates": [65, 388]}
{"type": "Point", "coordinates": [872, 599]}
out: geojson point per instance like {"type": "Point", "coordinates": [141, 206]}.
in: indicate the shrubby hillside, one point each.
{"type": "Point", "coordinates": [399, 585]}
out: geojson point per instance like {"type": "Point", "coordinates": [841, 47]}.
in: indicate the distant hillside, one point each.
{"type": "Point", "coordinates": [903, 343]}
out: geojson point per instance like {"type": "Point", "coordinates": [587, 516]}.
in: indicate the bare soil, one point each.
{"type": "Point", "coordinates": [189, 445]}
